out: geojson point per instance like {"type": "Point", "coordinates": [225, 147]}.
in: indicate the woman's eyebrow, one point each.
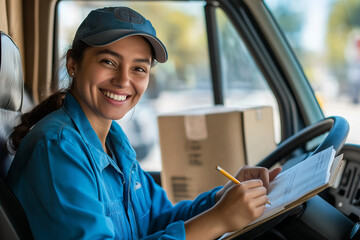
{"type": "Point", "coordinates": [142, 60]}
{"type": "Point", "coordinates": [108, 51]}
{"type": "Point", "coordinates": [117, 55]}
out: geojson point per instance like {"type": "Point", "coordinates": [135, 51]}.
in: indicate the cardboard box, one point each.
{"type": "Point", "coordinates": [194, 142]}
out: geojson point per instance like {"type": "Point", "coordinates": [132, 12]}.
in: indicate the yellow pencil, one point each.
{"type": "Point", "coordinates": [226, 174]}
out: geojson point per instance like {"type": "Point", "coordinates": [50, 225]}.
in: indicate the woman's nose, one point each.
{"type": "Point", "coordinates": [122, 78]}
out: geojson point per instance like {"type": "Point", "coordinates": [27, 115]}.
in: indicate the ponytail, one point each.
{"type": "Point", "coordinates": [28, 120]}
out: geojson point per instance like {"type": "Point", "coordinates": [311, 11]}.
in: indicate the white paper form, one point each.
{"type": "Point", "coordinates": [299, 180]}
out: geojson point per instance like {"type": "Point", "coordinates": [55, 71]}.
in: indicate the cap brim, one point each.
{"type": "Point", "coordinates": [110, 36]}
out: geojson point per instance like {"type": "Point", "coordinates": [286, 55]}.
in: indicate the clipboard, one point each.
{"type": "Point", "coordinates": [326, 164]}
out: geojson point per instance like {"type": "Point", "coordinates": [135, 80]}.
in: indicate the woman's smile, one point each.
{"type": "Point", "coordinates": [114, 96]}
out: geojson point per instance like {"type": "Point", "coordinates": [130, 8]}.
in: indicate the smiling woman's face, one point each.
{"type": "Point", "coordinates": [111, 79]}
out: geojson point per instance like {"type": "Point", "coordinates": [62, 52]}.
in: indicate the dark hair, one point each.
{"type": "Point", "coordinates": [50, 104]}
{"type": "Point", "coordinates": [28, 120]}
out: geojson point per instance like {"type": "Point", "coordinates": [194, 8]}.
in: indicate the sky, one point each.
{"type": "Point", "coordinates": [316, 14]}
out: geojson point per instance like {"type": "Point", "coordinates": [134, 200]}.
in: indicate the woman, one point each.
{"type": "Point", "coordinates": [76, 174]}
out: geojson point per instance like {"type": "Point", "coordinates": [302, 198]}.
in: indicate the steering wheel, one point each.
{"type": "Point", "coordinates": [337, 127]}
{"type": "Point", "coordinates": [316, 211]}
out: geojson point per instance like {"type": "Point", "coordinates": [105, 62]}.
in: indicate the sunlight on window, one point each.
{"type": "Point", "coordinates": [326, 40]}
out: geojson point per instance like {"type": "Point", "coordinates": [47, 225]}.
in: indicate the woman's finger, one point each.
{"type": "Point", "coordinates": [274, 172]}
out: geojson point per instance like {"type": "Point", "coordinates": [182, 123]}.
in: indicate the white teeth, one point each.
{"type": "Point", "coordinates": [114, 96]}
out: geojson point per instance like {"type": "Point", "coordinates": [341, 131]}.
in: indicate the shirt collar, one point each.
{"type": "Point", "coordinates": [116, 136]}
{"type": "Point", "coordinates": [125, 154]}
{"type": "Point", "coordinates": [73, 108]}
{"type": "Point", "coordinates": [81, 122]}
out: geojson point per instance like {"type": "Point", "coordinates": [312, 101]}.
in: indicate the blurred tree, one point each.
{"type": "Point", "coordinates": [344, 16]}
{"type": "Point", "coordinates": [181, 27]}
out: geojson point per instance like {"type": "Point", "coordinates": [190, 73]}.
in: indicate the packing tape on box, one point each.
{"type": "Point", "coordinates": [195, 127]}
{"type": "Point", "coordinates": [259, 114]}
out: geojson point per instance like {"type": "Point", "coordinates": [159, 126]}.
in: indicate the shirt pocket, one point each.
{"type": "Point", "coordinates": [115, 210]}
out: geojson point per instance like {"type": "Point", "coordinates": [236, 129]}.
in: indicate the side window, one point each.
{"type": "Point", "coordinates": [182, 82]}
{"type": "Point", "coordinates": [244, 84]}
{"type": "Point", "coordinates": [326, 41]}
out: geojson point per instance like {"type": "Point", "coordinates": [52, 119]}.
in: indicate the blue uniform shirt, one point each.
{"type": "Point", "coordinates": [71, 189]}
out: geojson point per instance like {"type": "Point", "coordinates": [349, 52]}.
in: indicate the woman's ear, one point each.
{"type": "Point", "coordinates": [70, 64]}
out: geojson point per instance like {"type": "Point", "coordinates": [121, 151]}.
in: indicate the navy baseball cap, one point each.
{"type": "Point", "coordinates": [107, 25]}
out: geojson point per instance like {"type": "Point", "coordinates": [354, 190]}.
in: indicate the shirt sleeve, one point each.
{"type": "Point", "coordinates": [163, 213]}
{"type": "Point", "coordinates": [60, 177]}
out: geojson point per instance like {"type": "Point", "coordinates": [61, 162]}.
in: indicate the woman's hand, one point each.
{"type": "Point", "coordinates": [241, 204]}
{"type": "Point", "coordinates": [248, 173]}
{"type": "Point", "coordinates": [236, 206]}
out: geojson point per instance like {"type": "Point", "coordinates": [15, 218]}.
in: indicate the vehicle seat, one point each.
{"type": "Point", "coordinates": [13, 221]}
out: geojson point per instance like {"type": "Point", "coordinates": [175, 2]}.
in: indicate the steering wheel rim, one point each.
{"type": "Point", "coordinates": [337, 127]}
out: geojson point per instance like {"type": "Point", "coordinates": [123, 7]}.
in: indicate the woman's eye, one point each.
{"type": "Point", "coordinates": [140, 69]}
{"type": "Point", "coordinates": [108, 62]}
